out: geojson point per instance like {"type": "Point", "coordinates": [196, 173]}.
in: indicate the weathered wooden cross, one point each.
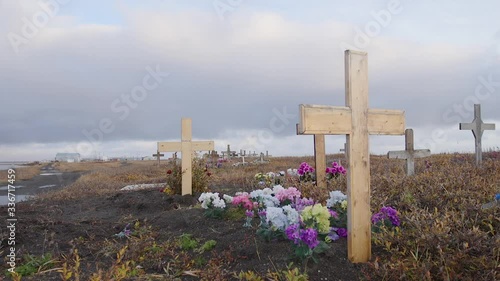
{"type": "Point", "coordinates": [477, 126]}
{"type": "Point", "coordinates": [319, 158]}
{"type": "Point", "coordinates": [186, 147]}
{"type": "Point", "coordinates": [158, 155]}
{"type": "Point", "coordinates": [356, 121]}
{"type": "Point", "coordinates": [409, 153]}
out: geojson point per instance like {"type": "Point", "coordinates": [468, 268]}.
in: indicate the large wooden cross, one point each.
{"type": "Point", "coordinates": [319, 158]}
{"type": "Point", "coordinates": [409, 153]}
{"type": "Point", "coordinates": [477, 126]}
{"type": "Point", "coordinates": [356, 121]}
{"type": "Point", "coordinates": [186, 147]}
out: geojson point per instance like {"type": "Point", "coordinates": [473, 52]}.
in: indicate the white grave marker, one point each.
{"type": "Point", "coordinates": [477, 127]}
{"type": "Point", "coordinates": [409, 153]}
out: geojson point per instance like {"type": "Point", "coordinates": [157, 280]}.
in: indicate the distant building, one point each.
{"type": "Point", "coordinates": [68, 157]}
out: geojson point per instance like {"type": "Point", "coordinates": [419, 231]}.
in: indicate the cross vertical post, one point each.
{"type": "Point", "coordinates": [477, 127]}
{"type": "Point", "coordinates": [187, 156]}
{"type": "Point", "coordinates": [320, 160]}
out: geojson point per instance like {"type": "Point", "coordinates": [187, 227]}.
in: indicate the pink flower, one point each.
{"type": "Point", "coordinates": [243, 201]}
{"type": "Point", "coordinates": [288, 194]}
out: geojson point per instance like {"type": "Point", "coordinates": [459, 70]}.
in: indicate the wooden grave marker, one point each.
{"type": "Point", "coordinates": [477, 127]}
{"type": "Point", "coordinates": [357, 121]}
{"type": "Point", "coordinates": [158, 155]}
{"type": "Point", "coordinates": [186, 147]}
{"type": "Point", "coordinates": [409, 154]}
{"type": "Point", "coordinates": [319, 158]}
{"type": "Point", "coordinates": [344, 150]}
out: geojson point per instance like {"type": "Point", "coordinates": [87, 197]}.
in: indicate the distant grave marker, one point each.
{"type": "Point", "coordinates": [477, 127]}
{"type": "Point", "coordinates": [158, 155]}
{"type": "Point", "coordinates": [356, 121]}
{"type": "Point", "coordinates": [344, 150]}
{"type": "Point", "coordinates": [409, 154]}
{"type": "Point", "coordinates": [186, 147]}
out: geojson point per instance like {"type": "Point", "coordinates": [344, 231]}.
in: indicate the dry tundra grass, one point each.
{"type": "Point", "coordinates": [444, 234]}
{"type": "Point", "coordinates": [22, 173]}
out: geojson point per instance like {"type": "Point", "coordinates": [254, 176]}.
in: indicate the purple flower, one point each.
{"type": "Point", "coordinates": [377, 217]}
{"type": "Point", "coordinates": [262, 213]}
{"type": "Point", "coordinates": [249, 213]}
{"type": "Point", "coordinates": [333, 234]}
{"type": "Point", "coordinates": [292, 232]}
{"type": "Point", "coordinates": [342, 232]}
{"type": "Point", "coordinates": [300, 203]}
{"type": "Point", "coordinates": [309, 237]}
{"type": "Point", "coordinates": [333, 214]}
{"type": "Point", "coordinates": [386, 213]}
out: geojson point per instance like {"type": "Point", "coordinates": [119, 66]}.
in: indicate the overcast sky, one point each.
{"type": "Point", "coordinates": [114, 77]}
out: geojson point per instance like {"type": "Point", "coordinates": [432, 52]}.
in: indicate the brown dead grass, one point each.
{"type": "Point", "coordinates": [22, 173]}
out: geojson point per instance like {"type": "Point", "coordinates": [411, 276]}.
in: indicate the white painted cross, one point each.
{"type": "Point", "coordinates": [409, 153]}
{"type": "Point", "coordinates": [356, 121]}
{"type": "Point", "coordinates": [477, 126]}
{"type": "Point", "coordinates": [186, 147]}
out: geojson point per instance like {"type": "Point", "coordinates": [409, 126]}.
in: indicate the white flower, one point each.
{"type": "Point", "coordinates": [256, 193]}
{"type": "Point", "coordinates": [219, 203]}
{"type": "Point", "coordinates": [276, 217]}
{"type": "Point", "coordinates": [271, 174]}
{"type": "Point", "coordinates": [335, 196]}
{"type": "Point", "coordinates": [277, 188]}
{"type": "Point", "coordinates": [282, 173]}
{"type": "Point", "coordinates": [267, 191]}
{"type": "Point", "coordinates": [292, 172]}
{"type": "Point", "coordinates": [270, 201]}
{"type": "Point", "coordinates": [291, 214]}
{"type": "Point", "coordinates": [227, 198]}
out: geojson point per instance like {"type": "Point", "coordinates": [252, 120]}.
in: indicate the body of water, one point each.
{"type": "Point", "coordinates": [4, 199]}
{"type": "Point", "coordinates": [4, 166]}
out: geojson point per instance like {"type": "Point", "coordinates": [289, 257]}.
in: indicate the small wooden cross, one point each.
{"type": "Point", "coordinates": [186, 147]}
{"type": "Point", "coordinates": [158, 155]}
{"type": "Point", "coordinates": [356, 121]}
{"type": "Point", "coordinates": [477, 126]}
{"type": "Point", "coordinates": [409, 153]}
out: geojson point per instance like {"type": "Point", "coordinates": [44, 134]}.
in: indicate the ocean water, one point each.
{"type": "Point", "coordinates": [8, 166]}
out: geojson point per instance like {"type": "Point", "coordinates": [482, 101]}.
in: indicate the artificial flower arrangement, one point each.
{"type": "Point", "coordinates": [270, 178]}
{"type": "Point", "coordinates": [284, 214]}
{"type": "Point", "coordinates": [306, 172]}
{"type": "Point", "coordinates": [335, 171]}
